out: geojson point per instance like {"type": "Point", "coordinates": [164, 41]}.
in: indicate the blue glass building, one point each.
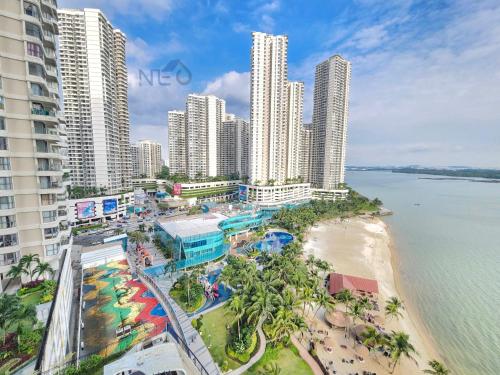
{"type": "Point", "coordinates": [195, 240]}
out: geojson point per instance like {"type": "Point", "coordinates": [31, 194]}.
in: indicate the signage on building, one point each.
{"type": "Point", "coordinates": [177, 189]}
{"type": "Point", "coordinates": [109, 206]}
{"type": "Point", "coordinates": [243, 193]}
{"type": "Point", "coordinates": [85, 210]}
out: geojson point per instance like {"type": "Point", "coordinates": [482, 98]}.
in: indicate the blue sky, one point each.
{"type": "Point", "coordinates": [425, 74]}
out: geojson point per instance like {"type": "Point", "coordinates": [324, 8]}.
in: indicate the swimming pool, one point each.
{"type": "Point", "coordinates": [274, 242]}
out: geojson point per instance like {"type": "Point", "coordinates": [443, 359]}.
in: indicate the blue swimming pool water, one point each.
{"type": "Point", "coordinates": [274, 242]}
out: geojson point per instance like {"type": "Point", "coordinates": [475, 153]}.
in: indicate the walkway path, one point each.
{"type": "Point", "coordinates": [256, 357]}
{"type": "Point", "coordinates": [307, 357]}
{"type": "Point", "coordinates": [182, 323]}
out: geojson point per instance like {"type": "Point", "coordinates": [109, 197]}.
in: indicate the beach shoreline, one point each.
{"type": "Point", "coordinates": [364, 246]}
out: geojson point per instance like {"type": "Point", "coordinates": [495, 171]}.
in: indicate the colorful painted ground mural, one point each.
{"type": "Point", "coordinates": [119, 312]}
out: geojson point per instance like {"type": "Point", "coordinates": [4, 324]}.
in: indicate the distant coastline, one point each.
{"type": "Point", "coordinates": [469, 174]}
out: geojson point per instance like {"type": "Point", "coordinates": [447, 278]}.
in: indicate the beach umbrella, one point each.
{"type": "Point", "coordinates": [362, 351]}
{"type": "Point", "coordinates": [329, 342]}
{"type": "Point", "coordinates": [338, 319]}
{"type": "Point", "coordinates": [358, 330]}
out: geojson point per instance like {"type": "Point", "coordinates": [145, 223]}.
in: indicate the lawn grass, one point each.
{"type": "Point", "coordinates": [32, 298]}
{"type": "Point", "coordinates": [287, 359]}
{"type": "Point", "coordinates": [175, 294]}
{"type": "Point", "coordinates": [215, 336]}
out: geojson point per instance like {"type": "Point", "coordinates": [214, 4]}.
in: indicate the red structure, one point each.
{"type": "Point", "coordinates": [339, 282]}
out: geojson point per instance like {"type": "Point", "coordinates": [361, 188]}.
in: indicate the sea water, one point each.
{"type": "Point", "coordinates": [447, 239]}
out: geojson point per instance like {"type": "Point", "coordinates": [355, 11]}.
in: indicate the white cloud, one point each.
{"type": "Point", "coordinates": [234, 88]}
{"type": "Point", "coordinates": [426, 98]}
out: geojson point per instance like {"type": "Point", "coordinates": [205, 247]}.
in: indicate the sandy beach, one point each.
{"type": "Point", "coordinates": [362, 247]}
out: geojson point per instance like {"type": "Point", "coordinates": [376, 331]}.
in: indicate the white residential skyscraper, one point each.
{"type": "Point", "coordinates": [33, 198]}
{"type": "Point", "coordinates": [295, 120]}
{"type": "Point", "coordinates": [204, 116]}
{"type": "Point", "coordinates": [150, 162]}
{"type": "Point", "coordinates": [305, 152]}
{"type": "Point", "coordinates": [234, 144]}
{"type": "Point", "coordinates": [94, 79]}
{"type": "Point", "coordinates": [134, 156]}
{"type": "Point", "coordinates": [268, 108]}
{"type": "Point", "coordinates": [331, 107]}
{"type": "Point", "coordinates": [177, 162]}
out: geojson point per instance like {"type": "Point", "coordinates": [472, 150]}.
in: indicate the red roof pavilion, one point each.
{"type": "Point", "coordinates": [339, 282]}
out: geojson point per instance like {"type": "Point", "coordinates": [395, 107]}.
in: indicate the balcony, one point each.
{"type": "Point", "coordinates": [50, 168]}
{"type": "Point", "coordinates": [48, 131]}
{"type": "Point", "coordinates": [43, 112]}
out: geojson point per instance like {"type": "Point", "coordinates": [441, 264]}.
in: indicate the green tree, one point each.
{"type": "Point", "coordinates": [42, 268]}
{"type": "Point", "coordinates": [323, 299]}
{"type": "Point", "coordinates": [345, 296]}
{"type": "Point", "coordinates": [262, 305]}
{"type": "Point", "coordinates": [436, 368]}
{"type": "Point", "coordinates": [393, 307]}
{"type": "Point", "coordinates": [284, 324]}
{"type": "Point", "coordinates": [17, 271]}
{"type": "Point", "coordinates": [236, 306]}
{"type": "Point", "coordinates": [399, 346]}
{"type": "Point", "coordinates": [29, 262]}
{"type": "Point", "coordinates": [138, 237]}
{"type": "Point", "coordinates": [373, 339]}
{"type": "Point", "coordinates": [9, 307]}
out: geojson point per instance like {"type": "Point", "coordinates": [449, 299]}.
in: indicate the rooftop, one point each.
{"type": "Point", "coordinates": [192, 225]}
{"type": "Point", "coordinates": [339, 282]}
{"type": "Point", "coordinates": [156, 360]}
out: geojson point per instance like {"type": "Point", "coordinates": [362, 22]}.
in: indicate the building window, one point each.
{"type": "Point", "coordinates": [7, 221]}
{"type": "Point", "coordinates": [2, 102]}
{"type": "Point", "coordinates": [50, 233]}
{"type": "Point", "coordinates": [49, 216]}
{"type": "Point", "coordinates": [3, 143]}
{"type": "Point", "coordinates": [34, 50]}
{"type": "Point", "coordinates": [51, 250]}
{"type": "Point", "coordinates": [6, 203]}
{"type": "Point", "coordinates": [2, 123]}
{"type": "Point", "coordinates": [8, 240]}
{"type": "Point", "coordinates": [5, 183]}
{"type": "Point", "coordinates": [36, 89]}
{"type": "Point", "coordinates": [4, 164]}
{"type": "Point", "coordinates": [31, 10]}
{"type": "Point", "coordinates": [36, 70]}
{"type": "Point", "coordinates": [33, 30]}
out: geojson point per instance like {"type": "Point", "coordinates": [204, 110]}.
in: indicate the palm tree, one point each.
{"type": "Point", "coordinates": [393, 307]}
{"type": "Point", "coordinates": [399, 345]}
{"type": "Point", "coordinates": [9, 306]}
{"type": "Point", "coordinates": [345, 296]}
{"type": "Point", "coordinates": [373, 339]}
{"type": "Point", "coordinates": [27, 262]}
{"type": "Point", "coordinates": [324, 300]}
{"type": "Point", "coordinates": [17, 271]}
{"type": "Point", "coordinates": [365, 302]}
{"type": "Point", "coordinates": [43, 268]}
{"type": "Point", "coordinates": [24, 313]}
{"type": "Point", "coordinates": [284, 323]}
{"type": "Point", "coordinates": [236, 306]}
{"type": "Point", "coordinates": [356, 311]}
{"type": "Point", "coordinates": [437, 368]}
{"type": "Point", "coordinates": [270, 369]}
{"type": "Point", "coordinates": [138, 237]}
{"type": "Point", "coordinates": [261, 305]}
{"type": "Point", "coordinates": [306, 297]}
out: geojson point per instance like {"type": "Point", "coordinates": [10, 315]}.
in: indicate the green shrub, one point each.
{"type": "Point", "coordinates": [29, 342]}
